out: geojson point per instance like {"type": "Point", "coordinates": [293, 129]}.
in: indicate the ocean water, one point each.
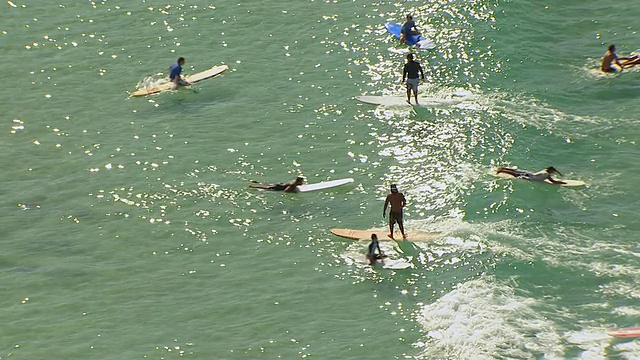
{"type": "Point", "coordinates": [128, 231]}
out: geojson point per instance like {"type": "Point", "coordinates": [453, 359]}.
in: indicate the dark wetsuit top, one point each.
{"type": "Point", "coordinates": [407, 27]}
{"type": "Point", "coordinates": [372, 248]}
{"type": "Point", "coordinates": [412, 69]}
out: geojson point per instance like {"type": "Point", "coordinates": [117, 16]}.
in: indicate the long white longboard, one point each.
{"type": "Point", "coordinates": [324, 185]}
{"type": "Point", "coordinates": [402, 101]}
{"type": "Point", "coordinates": [207, 74]}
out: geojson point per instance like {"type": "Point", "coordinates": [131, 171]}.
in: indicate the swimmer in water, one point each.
{"type": "Point", "coordinates": [541, 175]}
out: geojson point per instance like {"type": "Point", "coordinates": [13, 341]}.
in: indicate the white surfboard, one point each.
{"type": "Point", "coordinates": [401, 101]}
{"type": "Point", "coordinates": [566, 182]}
{"type": "Point", "coordinates": [207, 74]}
{"type": "Point", "coordinates": [324, 185]}
{"type": "Point", "coordinates": [394, 264]}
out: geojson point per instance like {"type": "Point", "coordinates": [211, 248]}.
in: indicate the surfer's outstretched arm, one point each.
{"type": "Point", "coordinates": [555, 182]}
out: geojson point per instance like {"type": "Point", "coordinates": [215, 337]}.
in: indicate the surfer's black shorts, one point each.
{"type": "Point", "coordinates": [278, 187]}
{"type": "Point", "coordinates": [395, 217]}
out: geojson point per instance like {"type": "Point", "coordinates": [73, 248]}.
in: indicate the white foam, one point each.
{"type": "Point", "coordinates": [149, 82]}
{"type": "Point", "coordinates": [484, 319]}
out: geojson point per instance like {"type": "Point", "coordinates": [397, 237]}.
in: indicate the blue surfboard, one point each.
{"type": "Point", "coordinates": [417, 40]}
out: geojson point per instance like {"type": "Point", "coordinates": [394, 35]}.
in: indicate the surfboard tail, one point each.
{"type": "Point", "coordinates": [426, 44]}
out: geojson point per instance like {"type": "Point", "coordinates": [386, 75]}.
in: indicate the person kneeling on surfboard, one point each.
{"type": "Point", "coordinates": [541, 175]}
{"type": "Point", "coordinates": [174, 74]}
{"type": "Point", "coordinates": [397, 201]}
{"type": "Point", "coordinates": [371, 251]}
{"type": "Point", "coordinates": [410, 73]}
{"type": "Point", "coordinates": [408, 29]}
{"type": "Point", "coordinates": [610, 57]}
{"type": "Point", "coordinates": [289, 186]}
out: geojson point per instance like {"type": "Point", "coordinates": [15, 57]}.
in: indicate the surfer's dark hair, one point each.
{"type": "Point", "coordinates": [612, 48]}
{"type": "Point", "coordinates": [180, 59]}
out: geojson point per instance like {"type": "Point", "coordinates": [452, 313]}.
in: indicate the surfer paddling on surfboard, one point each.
{"type": "Point", "coordinates": [397, 201]}
{"type": "Point", "coordinates": [410, 77]}
{"type": "Point", "coordinates": [174, 74]}
{"type": "Point", "coordinates": [289, 186]}
{"type": "Point", "coordinates": [541, 175]}
{"type": "Point", "coordinates": [371, 251]}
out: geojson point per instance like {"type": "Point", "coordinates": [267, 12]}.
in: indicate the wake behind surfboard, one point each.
{"type": "Point", "coordinates": [207, 74]}
{"type": "Point", "coordinates": [412, 40]}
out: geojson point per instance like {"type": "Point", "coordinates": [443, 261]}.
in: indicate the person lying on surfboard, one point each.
{"type": "Point", "coordinates": [289, 186]}
{"type": "Point", "coordinates": [174, 74]}
{"type": "Point", "coordinates": [397, 201]}
{"type": "Point", "coordinates": [371, 251]}
{"type": "Point", "coordinates": [541, 175]}
{"type": "Point", "coordinates": [408, 29]}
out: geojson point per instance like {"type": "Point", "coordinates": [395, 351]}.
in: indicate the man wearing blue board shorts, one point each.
{"type": "Point", "coordinates": [410, 75]}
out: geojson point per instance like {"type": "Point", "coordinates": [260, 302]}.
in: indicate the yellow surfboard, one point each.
{"type": "Point", "coordinates": [352, 234]}
{"type": "Point", "coordinates": [207, 74]}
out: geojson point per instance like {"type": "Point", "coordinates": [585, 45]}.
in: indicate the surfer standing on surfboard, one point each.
{"type": "Point", "coordinates": [397, 201]}
{"type": "Point", "coordinates": [408, 28]}
{"type": "Point", "coordinates": [410, 76]}
{"type": "Point", "coordinates": [371, 251]}
{"type": "Point", "coordinates": [289, 186]}
{"type": "Point", "coordinates": [541, 175]}
{"type": "Point", "coordinates": [174, 73]}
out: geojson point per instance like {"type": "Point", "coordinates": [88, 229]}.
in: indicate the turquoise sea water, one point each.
{"type": "Point", "coordinates": [128, 231]}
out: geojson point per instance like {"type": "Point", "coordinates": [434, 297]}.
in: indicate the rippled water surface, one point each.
{"type": "Point", "coordinates": [129, 231]}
